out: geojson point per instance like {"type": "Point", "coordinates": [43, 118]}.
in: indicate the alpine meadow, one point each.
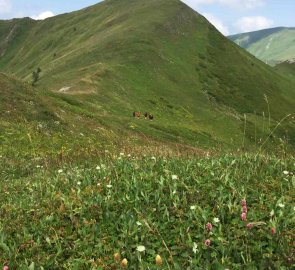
{"type": "Point", "coordinates": [134, 135]}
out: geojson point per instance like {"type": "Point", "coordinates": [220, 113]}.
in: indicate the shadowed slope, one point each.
{"type": "Point", "coordinates": [286, 68]}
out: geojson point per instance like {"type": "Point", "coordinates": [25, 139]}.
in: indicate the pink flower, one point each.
{"type": "Point", "coordinates": [273, 230]}
{"type": "Point", "coordinates": [250, 226]}
{"type": "Point", "coordinates": [244, 216]}
{"type": "Point", "coordinates": [207, 242]}
{"type": "Point", "coordinates": [5, 267]}
{"type": "Point", "coordinates": [244, 210]}
{"type": "Point", "coordinates": [243, 202]}
{"type": "Point", "coordinates": [209, 227]}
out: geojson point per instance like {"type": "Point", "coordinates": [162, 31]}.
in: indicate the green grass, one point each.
{"type": "Point", "coordinates": [272, 46]}
{"type": "Point", "coordinates": [77, 215]}
{"type": "Point", "coordinates": [287, 69]}
{"type": "Point", "coordinates": [171, 64]}
{"type": "Point", "coordinates": [69, 199]}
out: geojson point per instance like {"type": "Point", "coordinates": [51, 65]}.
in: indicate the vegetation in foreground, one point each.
{"type": "Point", "coordinates": [195, 213]}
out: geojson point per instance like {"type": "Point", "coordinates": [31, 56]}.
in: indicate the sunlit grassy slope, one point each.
{"type": "Point", "coordinates": [270, 45]}
{"type": "Point", "coordinates": [81, 179]}
{"type": "Point", "coordinates": [157, 56]}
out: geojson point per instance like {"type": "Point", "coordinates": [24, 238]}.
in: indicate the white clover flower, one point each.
{"type": "Point", "coordinates": [60, 171]}
{"type": "Point", "coordinates": [216, 220]}
{"type": "Point", "coordinates": [281, 205]}
{"type": "Point", "coordinates": [109, 186]}
{"type": "Point", "coordinates": [285, 172]}
{"type": "Point", "coordinates": [140, 248]}
{"type": "Point", "coordinates": [79, 183]}
{"type": "Point", "coordinates": [193, 207]}
{"type": "Point", "coordinates": [174, 177]}
{"type": "Point", "coordinates": [138, 223]}
{"type": "Point", "coordinates": [195, 247]}
{"type": "Point", "coordinates": [97, 168]}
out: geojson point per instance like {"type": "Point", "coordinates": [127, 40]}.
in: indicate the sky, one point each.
{"type": "Point", "coordinates": [228, 16]}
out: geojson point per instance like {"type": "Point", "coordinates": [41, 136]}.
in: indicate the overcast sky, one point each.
{"type": "Point", "coordinates": [228, 16]}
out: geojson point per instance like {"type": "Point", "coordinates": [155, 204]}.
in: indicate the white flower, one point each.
{"type": "Point", "coordinates": [195, 247]}
{"type": "Point", "coordinates": [174, 192]}
{"type": "Point", "coordinates": [138, 223]}
{"type": "Point", "coordinates": [216, 220]}
{"type": "Point", "coordinates": [193, 207]}
{"type": "Point", "coordinates": [285, 172]}
{"type": "Point", "coordinates": [153, 158]}
{"type": "Point", "coordinates": [98, 167]}
{"type": "Point", "coordinates": [60, 171]}
{"type": "Point", "coordinates": [272, 213]}
{"type": "Point", "coordinates": [122, 154]}
{"type": "Point", "coordinates": [174, 177]}
{"type": "Point", "coordinates": [281, 205]}
{"type": "Point", "coordinates": [109, 186]}
{"type": "Point", "coordinates": [140, 248]}
{"type": "Point", "coordinates": [129, 155]}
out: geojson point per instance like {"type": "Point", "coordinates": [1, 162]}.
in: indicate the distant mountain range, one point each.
{"type": "Point", "coordinates": [272, 46]}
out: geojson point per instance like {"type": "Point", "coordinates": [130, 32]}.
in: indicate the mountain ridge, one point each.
{"type": "Point", "coordinates": [272, 45]}
{"type": "Point", "coordinates": [171, 64]}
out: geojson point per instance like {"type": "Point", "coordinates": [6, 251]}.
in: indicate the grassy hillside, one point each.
{"type": "Point", "coordinates": [109, 62]}
{"type": "Point", "coordinates": [270, 45]}
{"type": "Point", "coordinates": [55, 128]}
{"type": "Point", "coordinates": [82, 180]}
{"type": "Point", "coordinates": [286, 68]}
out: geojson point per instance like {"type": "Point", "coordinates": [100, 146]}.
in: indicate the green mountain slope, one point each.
{"type": "Point", "coordinates": [49, 125]}
{"type": "Point", "coordinates": [158, 56]}
{"type": "Point", "coordinates": [270, 45]}
{"type": "Point", "coordinates": [286, 68]}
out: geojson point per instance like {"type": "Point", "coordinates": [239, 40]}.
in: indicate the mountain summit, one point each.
{"type": "Point", "coordinates": [158, 56]}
